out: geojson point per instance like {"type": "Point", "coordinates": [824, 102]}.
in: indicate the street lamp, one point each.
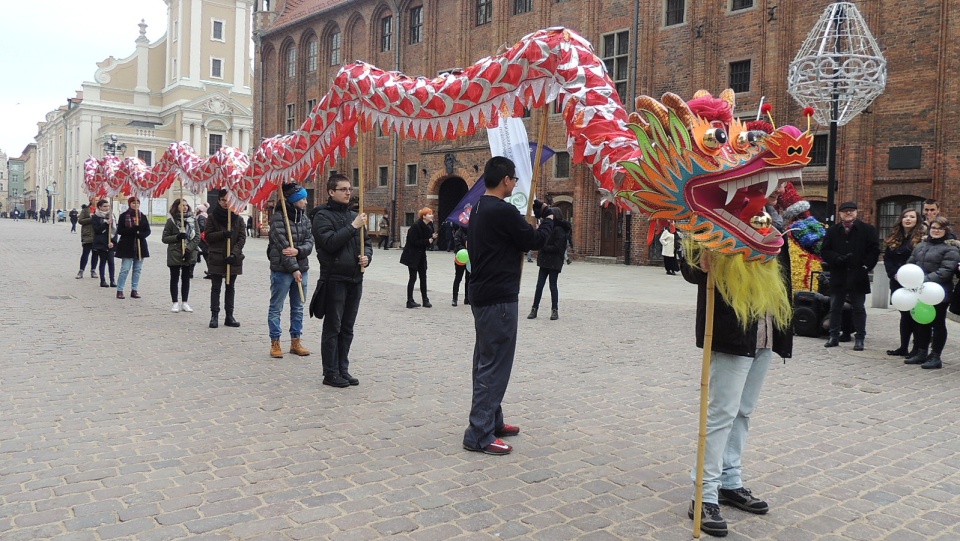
{"type": "Point", "coordinates": [111, 146]}
{"type": "Point", "coordinates": [51, 191]}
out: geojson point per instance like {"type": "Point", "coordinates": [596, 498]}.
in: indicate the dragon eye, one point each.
{"type": "Point", "coordinates": [746, 138]}
{"type": "Point", "coordinates": [714, 138]}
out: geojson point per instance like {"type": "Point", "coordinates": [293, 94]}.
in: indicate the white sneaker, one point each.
{"type": "Point", "coordinates": [186, 308]}
{"type": "Point", "coordinates": [176, 307]}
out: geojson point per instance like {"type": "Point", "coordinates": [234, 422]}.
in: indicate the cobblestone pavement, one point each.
{"type": "Point", "coordinates": [122, 420]}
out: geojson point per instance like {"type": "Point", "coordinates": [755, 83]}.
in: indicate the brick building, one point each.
{"type": "Point", "coordinates": [896, 154]}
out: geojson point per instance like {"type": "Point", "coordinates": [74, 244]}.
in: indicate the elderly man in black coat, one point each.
{"type": "Point", "coordinates": [851, 249]}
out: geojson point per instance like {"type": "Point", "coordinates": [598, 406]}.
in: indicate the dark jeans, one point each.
{"type": "Point", "coordinates": [554, 292]}
{"type": "Point", "coordinates": [73, 227]}
{"type": "Point", "coordinates": [183, 275]}
{"type": "Point", "coordinates": [106, 257]}
{"type": "Point", "coordinates": [384, 242]}
{"type": "Point", "coordinates": [937, 327]}
{"type": "Point", "coordinates": [460, 271]}
{"type": "Point", "coordinates": [87, 249]}
{"type": "Point", "coordinates": [413, 280]}
{"type": "Point", "coordinates": [493, 352]}
{"type": "Point", "coordinates": [216, 282]}
{"type": "Point", "coordinates": [339, 315]}
{"type": "Point", "coordinates": [670, 264]}
{"type": "Point", "coordinates": [857, 301]}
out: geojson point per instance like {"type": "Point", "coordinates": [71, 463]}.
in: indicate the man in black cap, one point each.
{"type": "Point", "coordinates": [851, 249]}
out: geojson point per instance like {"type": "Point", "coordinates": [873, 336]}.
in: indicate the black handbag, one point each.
{"type": "Point", "coordinates": [319, 300]}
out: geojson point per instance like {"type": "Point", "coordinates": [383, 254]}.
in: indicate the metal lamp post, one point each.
{"type": "Point", "coordinates": [112, 146]}
{"type": "Point", "coordinates": [838, 72]}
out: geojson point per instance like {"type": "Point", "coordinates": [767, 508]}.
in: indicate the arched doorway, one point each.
{"type": "Point", "coordinates": [452, 190]}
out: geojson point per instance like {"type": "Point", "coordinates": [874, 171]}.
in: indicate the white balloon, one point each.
{"type": "Point", "coordinates": [910, 276]}
{"type": "Point", "coordinates": [932, 293]}
{"type": "Point", "coordinates": [904, 299]}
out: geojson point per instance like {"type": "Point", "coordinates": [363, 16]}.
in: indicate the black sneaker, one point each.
{"type": "Point", "coordinates": [741, 498]}
{"type": "Point", "coordinates": [710, 522]}
{"type": "Point", "coordinates": [335, 381]}
{"type": "Point", "coordinates": [350, 379]}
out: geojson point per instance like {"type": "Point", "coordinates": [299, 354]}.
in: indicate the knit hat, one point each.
{"type": "Point", "coordinates": [293, 192]}
{"type": "Point", "coordinates": [792, 206]}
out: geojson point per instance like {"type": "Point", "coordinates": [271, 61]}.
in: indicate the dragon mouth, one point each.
{"type": "Point", "coordinates": [732, 202]}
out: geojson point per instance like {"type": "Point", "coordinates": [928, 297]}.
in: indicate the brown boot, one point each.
{"type": "Point", "coordinates": [275, 350]}
{"type": "Point", "coordinates": [297, 348]}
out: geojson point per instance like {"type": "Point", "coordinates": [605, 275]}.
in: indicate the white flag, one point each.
{"type": "Point", "coordinates": [509, 140]}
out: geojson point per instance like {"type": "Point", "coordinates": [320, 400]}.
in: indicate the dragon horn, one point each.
{"type": "Point", "coordinates": [701, 94]}
{"type": "Point", "coordinates": [679, 107]}
{"type": "Point", "coordinates": [637, 118]}
{"type": "Point", "coordinates": [646, 103]}
{"type": "Point", "coordinates": [729, 97]}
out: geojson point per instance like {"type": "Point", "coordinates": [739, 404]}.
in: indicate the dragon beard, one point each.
{"type": "Point", "coordinates": [754, 289]}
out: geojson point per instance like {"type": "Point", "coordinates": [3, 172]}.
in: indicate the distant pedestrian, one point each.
{"type": "Point", "coordinates": [420, 237]}
{"type": "Point", "coordinates": [460, 243]}
{"type": "Point", "coordinates": [668, 241]}
{"type": "Point", "coordinates": [86, 238]}
{"type": "Point", "coordinates": [219, 258]}
{"type": "Point", "coordinates": [550, 262]}
{"type": "Point", "coordinates": [182, 242]}
{"type": "Point", "coordinates": [201, 218]}
{"type": "Point", "coordinates": [104, 233]}
{"type": "Point", "coordinates": [384, 230]}
{"type": "Point", "coordinates": [74, 216]}
{"type": "Point", "coordinates": [133, 228]}
{"type": "Point", "coordinates": [250, 226]}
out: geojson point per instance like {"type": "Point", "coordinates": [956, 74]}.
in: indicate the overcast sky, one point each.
{"type": "Point", "coordinates": [48, 48]}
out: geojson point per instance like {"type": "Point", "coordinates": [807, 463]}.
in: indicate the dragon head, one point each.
{"type": "Point", "coordinates": [710, 172]}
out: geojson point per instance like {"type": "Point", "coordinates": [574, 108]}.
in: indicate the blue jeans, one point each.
{"type": "Point", "coordinates": [283, 285]}
{"type": "Point", "coordinates": [735, 384]}
{"type": "Point", "coordinates": [493, 353]}
{"type": "Point", "coordinates": [125, 265]}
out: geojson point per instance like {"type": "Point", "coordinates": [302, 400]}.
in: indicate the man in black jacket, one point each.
{"type": "Point", "coordinates": [496, 240]}
{"type": "Point", "coordinates": [336, 233]}
{"type": "Point", "coordinates": [851, 249]}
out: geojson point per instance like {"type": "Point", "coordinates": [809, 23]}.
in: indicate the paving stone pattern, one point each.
{"type": "Point", "coordinates": [122, 420]}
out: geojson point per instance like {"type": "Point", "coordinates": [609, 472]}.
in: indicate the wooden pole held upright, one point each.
{"type": "Point", "coordinates": [286, 222]}
{"type": "Point", "coordinates": [183, 243]}
{"type": "Point", "coordinates": [704, 398]}
{"type": "Point", "coordinates": [229, 238]}
{"type": "Point", "coordinates": [536, 174]}
{"type": "Point", "coordinates": [360, 193]}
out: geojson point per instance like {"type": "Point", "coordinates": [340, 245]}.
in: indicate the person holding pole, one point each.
{"type": "Point", "coordinates": [343, 253]}
{"type": "Point", "coordinates": [739, 354]}
{"type": "Point", "coordinates": [101, 224]}
{"type": "Point", "coordinates": [86, 238]}
{"type": "Point", "coordinates": [133, 228]}
{"type": "Point", "coordinates": [289, 249]}
{"type": "Point", "coordinates": [497, 239]}
{"type": "Point", "coordinates": [225, 235]}
{"type": "Point", "coordinates": [181, 236]}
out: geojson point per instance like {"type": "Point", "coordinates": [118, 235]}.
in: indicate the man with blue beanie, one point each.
{"type": "Point", "coordinates": [288, 267]}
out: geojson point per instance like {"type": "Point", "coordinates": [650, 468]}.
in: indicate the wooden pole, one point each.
{"type": "Point", "coordinates": [183, 243]}
{"type": "Point", "coordinates": [536, 174]}
{"type": "Point", "coordinates": [704, 399]}
{"type": "Point", "coordinates": [286, 222]}
{"type": "Point", "coordinates": [229, 238]}
{"type": "Point", "coordinates": [360, 193]}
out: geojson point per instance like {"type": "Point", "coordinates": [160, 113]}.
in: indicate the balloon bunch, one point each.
{"type": "Point", "coordinates": [916, 296]}
{"type": "Point", "coordinates": [463, 258]}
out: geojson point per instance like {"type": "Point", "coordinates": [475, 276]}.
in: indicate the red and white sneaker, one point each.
{"type": "Point", "coordinates": [506, 431]}
{"type": "Point", "coordinates": [495, 448]}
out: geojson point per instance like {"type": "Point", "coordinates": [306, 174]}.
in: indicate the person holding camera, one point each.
{"type": "Point", "coordinates": [497, 238]}
{"type": "Point", "coordinates": [851, 248]}
{"type": "Point", "coordinates": [550, 260]}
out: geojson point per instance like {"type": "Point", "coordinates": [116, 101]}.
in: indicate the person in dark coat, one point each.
{"type": "Point", "coordinates": [86, 238]}
{"type": "Point", "coordinates": [133, 228]}
{"type": "Point", "coordinates": [420, 237]}
{"type": "Point", "coordinates": [74, 216]}
{"type": "Point", "coordinates": [288, 267]}
{"type": "Point", "coordinates": [342, 257]}
{"type": "Point", "coordinates": [219, 230]}
{"type": "Point", "coordinates": [898, 246]}
{"type": "Point", "coordinates": [460, 243]}
{"type": "Point", "coordinates": [181, 244]}
{"type": "Point", "coordinates": [103, 228]}
{"type": "Point", "coordinates": [550, 261]}
{"type": "Point", "coordinates": [939, 258]}
{"type": "Point", "coordinates": [851, 248]}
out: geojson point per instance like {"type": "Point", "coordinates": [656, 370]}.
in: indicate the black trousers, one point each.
{"type": "Point", "coordinates": [182, 275]}
{"type": "Point", "coordinates": [461, 270]}
{"type": "Point", "coordinates": [413, 280]}
{"type": "Point", "coordinates": [87, 250]}
{"type": "Point", "coordinates": [937, 328]}
{"type": "Point", "coordinates": [216, 282]}
{"type": "Point", "coordinates": [339, 316]}
{"type": "Point", "coordinates": [106, 258]}
{"type": "Point", "coordinates": [493, 352]}
{"type": "Point", "coordinates": [552, 274]}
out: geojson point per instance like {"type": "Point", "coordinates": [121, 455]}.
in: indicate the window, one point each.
{"type": "Point", "coordinates": [378, 130]}
{"type": "Point", "coordinates": [740, 76]}
{"type": "Point", "coordinates": [216, 68]}
{"type": "Point", "coordinates": [312, 50]}
{"type": "Point", "coordinates": [561, 165]}
{"type": "Point", "coordinates": [176, 30]}
{"type": "Point", "coordinates": [291, 62]}
{"type": "Point", "coordinates": [522, 6]}
{"type": "Point", "coordinates": [818, 154]}
{"type": "Point", "coordinates": [335, 49]}
{"type": "Point", "coordinates": [741, 4]}
{"type": "Point", "coordinates": [484, 11]}
{"type": "Point", "coordinates": [557, 106]}
{"type": "Point", "coordinates": [214, 142]}
{"type": "Point", "coordinates": [616, 58]}
{"type": "Point", "coordinates": [386, 33]}
{"type": "Point", "coordinates": [416, 25]}
{"type": "Point", "coordinates": [291, 120]}
{"type": "Point", "coordinates": [356, 177]}
{"type": "Point", "coordinates": [383, 175]}
{"type": "Point", "coordinates": [411, 174]}
{"type": "Point", "coordinates": [146, 156]}
{"type": "Point", "coordinates": [674, 12]}
{"type": "Point", "coordinates": [526, 112]}
{"type": "Point", "coordinates": [888, 212]}
{"type": "Point", "coordinates": [310, 105]}
{"type": "Point", "coordinates": [217, 32]}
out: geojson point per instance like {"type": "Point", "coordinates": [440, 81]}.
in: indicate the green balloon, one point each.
{"type": "Point", "coordinates": [463, 256]}
{"type": "Point", "coordinates": [923, 313]}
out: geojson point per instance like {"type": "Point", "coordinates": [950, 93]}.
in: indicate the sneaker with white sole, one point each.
{"type": "Point", "coordinates": [176, 307]}
{"type": "Point", "coordinates": [186, 307]}
{"type": "Point", "coordinates": [498, 447]}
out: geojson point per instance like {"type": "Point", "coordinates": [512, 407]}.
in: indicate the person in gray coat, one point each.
{"type": "Point", "coordinates": [288, 267]}
{"type": "Point", "coordinates": [181, 252]}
